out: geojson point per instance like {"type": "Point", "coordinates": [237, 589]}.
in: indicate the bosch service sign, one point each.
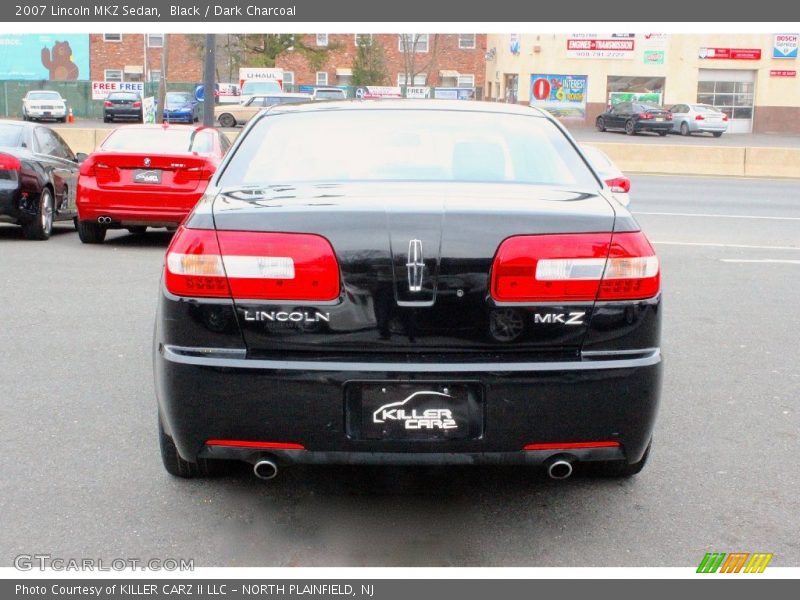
{"type": "Point", "coordinates": [785, 45]}
{"type": "Point", "coordinates": [561, 95]}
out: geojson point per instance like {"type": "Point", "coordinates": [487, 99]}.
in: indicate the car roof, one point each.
{"type": "Point", "coordinates": [411, 104]}
{"type": "Point", "coordinates": [43, 91]}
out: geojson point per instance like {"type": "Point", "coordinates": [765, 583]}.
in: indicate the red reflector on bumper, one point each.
{"type": "Point", "coordinates": [572, 445]}
{"type": "Point", "coordinates": [260, 445]}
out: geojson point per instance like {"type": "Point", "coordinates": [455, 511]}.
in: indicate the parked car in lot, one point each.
{"type": "Point", "coordinates": [634, 117]}
{"type": "Point", "coordinates": [38, 176]}
{"type": "Point", "coordinates": [453, 285]}
{"type": "Point", "coordinates": [617, 182]}
{"type": "Point", "coordinates": [256, 87]}
{"type": "Point", "coordinates": [122, 105]}
{"type": "Point", "coordinates": [328, 93]}
{"type": "Point", "coordinates": [38, 105]}
{"type": "Point", "coordinates": [181, 107]}
{"type": "Point", "coordinates": [698, 118]}
{"type": "Point", "coordinates": [145, 176]}
{"type": "Point", "coordinates": [230, 115]}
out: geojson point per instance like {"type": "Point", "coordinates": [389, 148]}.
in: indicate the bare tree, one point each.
{"type": "Point", "coordinates": [419, 52]}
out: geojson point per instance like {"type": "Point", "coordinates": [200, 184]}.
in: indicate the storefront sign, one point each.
{"type": "Point", "coordinates": [653, 57]}
{"type": "Point", "coordinates": [782, 73]}
{"type": "Point", "coordinates": [600, 48]}
{"type": "Point", "coordinates": [450, 93]}
{"type": "Point", "coordinates": [514, 43]}
{"type": "Point", "coordinates": [785, 45]}
{"type": "Point", "coordinates": [418, 92]}
{"type": "Point", "coordinates": [378, 91]}
{"type": "Point", "coordinates": [101, 89]}
{"type": "Point", "coordinates": [730, 53]}
{"type": "Point", "coordinates": [560, 95]}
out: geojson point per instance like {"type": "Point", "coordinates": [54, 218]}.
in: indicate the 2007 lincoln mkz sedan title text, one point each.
{"type": "Point", "coordinates": [408, 282]}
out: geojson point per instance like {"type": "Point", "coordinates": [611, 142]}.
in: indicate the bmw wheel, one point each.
{"type": "Point", "coordinates": [42, 226]}
{"type": "Point", "coordinates": [91, 233]}
{"type": "Point", "coordinates": [630, 127]}
{"type": "Point", "coordinates": [684, 128]}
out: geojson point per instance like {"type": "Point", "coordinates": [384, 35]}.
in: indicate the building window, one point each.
{"type": "Point", "coordinates": [155, 40]}
{"type": "Point", "coordinates": [112, 75]}
{"type": "Point", "coordinates": [419, 79]}
{"type": "Point", "coordinates": [288, 80]}
{"type": "Point", "coordinates": [466, 81]}
{"type": "Point", "coordinates": [322, 39]}
{"type": "Point", "coordinates": [734, 98]}
{"type": "Point", "coordinates": [322, 78]}
{"type": "Point", "coordinates": [362, 38]}
{"type": "Point", "coordinates": [155, 75]}
{"type": "Point", "coordinates": [413, 42]}
{"type": "Point", "coordinates": [112, 37]}
{"type": "Point", "coordinates": [466, 41]}
{"type": "Point", "coordinates": [622, 88]}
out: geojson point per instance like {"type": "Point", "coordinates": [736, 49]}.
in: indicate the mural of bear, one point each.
{"type": "Point", "coordinates": [60, 62]}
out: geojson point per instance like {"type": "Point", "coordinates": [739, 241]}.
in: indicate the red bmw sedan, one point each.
{"type": "Point", "coordinates": [144, 176]}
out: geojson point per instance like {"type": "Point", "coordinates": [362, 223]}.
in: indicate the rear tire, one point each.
{"type": "Point", "coordinates": [685, 129]}
{"type": "Point", "coordinates": [178, 467]}
{"type": "Point", "coordinates": [717, 133]}
{"type": "Point", "coordinates": [630, 128]}
{"type": "Point", "coordinates": [227, 120]}
{"type": "Point", "coordinates": [617, 468]}
{"type": "Point", "coordinates": [42, 226]}
{"type": "Point", "coordinates": [663, 133]}
{"type": "Point", "coordinates": [137, 229]}
{"type": "Point", "coordinates": [91, 233]}
{"type": "Point", "coordinates": [600, 124]}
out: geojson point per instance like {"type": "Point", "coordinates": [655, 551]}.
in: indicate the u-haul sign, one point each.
{"type": "Point", "coordinates": [260, 74]}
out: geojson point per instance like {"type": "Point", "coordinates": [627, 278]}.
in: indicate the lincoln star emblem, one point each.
{"type": "Point", "coordinates": [415, 266]}
{"type": "Point", "coordinates": [147, 162]}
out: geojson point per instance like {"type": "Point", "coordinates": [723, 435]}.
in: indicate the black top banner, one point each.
{"type": "Point", "coordinates": [611, 12]}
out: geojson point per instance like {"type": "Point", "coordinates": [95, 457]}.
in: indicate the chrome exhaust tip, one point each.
{"type": "Point", "coordinates": [104, 220]}
{"type": "Point", "coordinates": [265, 469]}
{"type": "Point", "coordinates": [559, 469]}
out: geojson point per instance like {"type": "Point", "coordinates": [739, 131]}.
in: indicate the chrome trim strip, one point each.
{"type": "Point", "coordinates": [188, 356]}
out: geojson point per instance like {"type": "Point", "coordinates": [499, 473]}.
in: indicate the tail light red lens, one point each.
{"type": "Point", "coordinates": [252, 265]}
{"type": "Point", "coordinates": [699, 118]}
{"type": "Point", "coordinates": [575, 267]}
{"type": "Point", "coordinates": [669, 116]}
{"type": "Point", "coordinates": [137, 104]}
{"type": "Point", "coordinates": [9, 163]}
{"type": "Point", "coordinates": [619, 184]}
{"type": "Point", "coordinates": [108, 103]}
{"type": "Point", "coordinates": [724, 117]}
{"type": "Point", "coordinates": [646, 115]}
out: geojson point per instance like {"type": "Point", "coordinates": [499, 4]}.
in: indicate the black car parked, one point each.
{"type": "Point", "coordinates": [633, 117]}
{"type": "Point", "coordinates": [122, 105]}
{"type": "Point", "coordinates": [38, 176]}
{"type": "Point", "coordinates": [453, 285]}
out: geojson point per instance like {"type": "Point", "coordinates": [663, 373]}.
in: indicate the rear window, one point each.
{"type": "Point", "coordinates": [44, 96]}
{"type": "Point", "coordinates": [704, 108]}
{"type": "Point", "coordinates": [178, 99]}
{"type": "Point", "coordinates": [10, 136]}
{"type": "Point", "coordinates": [122, 96]}
{"type": "Point", "coordinates": [406, 145]}
{"type": "Point", "coordinates": [157, 141]}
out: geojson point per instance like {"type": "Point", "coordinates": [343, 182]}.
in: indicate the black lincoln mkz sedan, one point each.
{"type": "Point", "coordinates": [453, 285]}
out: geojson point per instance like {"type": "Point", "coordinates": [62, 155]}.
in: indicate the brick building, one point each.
{"type": "Point", "coordinates": [137, 57]}
{"type": "Point", "coordinates": [446, 60]}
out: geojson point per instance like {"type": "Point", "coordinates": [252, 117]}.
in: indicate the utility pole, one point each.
{"type": "Point", "coordinates": [209, 83]}
{"type": "Point", "coordinates": [162, 86]}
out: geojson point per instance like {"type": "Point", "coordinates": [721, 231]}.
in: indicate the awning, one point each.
{"type": "Point", "coordinates": [448, 73]}
{"type": "Point", "coordinates": [134, 69]}
{"type": "Point", "coordinates": [344, 72]}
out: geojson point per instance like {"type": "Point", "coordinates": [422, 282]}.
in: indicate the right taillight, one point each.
{"type": "Point", "coordinates": [252, 265]}
{"type": "Point", "coordinates": [619, 184]}
{"type": "Point", "coordinates": [9, 162]}
{"type": "Point", "coordinates": [108, 103]}
{"type": "Point", "coordinates": [575, 267]}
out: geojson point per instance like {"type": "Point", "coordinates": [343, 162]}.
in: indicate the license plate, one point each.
{"type": "Point", "coordinates": [414, 411]}
{"type": "Point", "coordinates": [659, 118]}
{"type": "Point", "coordinates": [47, 113]}
{"type": "Point", "coordinates": [151, 176]}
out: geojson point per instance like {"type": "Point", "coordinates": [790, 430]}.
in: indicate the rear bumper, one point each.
{"type": "Point", "coordinates": [647, 126]}
{"type": "Point", "coordinates": [123, 113]}
{"type": "Point", "coordinates": [126, 207]}
{"type": "Point", "coordinates": [211, 395]}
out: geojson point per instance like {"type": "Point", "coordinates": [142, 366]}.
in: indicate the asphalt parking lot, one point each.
{"type": "Point", "coordinates": [81, 472]}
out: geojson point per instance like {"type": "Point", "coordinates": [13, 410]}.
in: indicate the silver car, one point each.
{"type": "Point", "coordinates": [698, 118]}
{"type": "Point", "coordinates": [616, 180]}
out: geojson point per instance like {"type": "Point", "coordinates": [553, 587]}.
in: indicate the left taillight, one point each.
{"type": "Point", "coordinates": [252, 265]}
{"type": "Point", "coordinates": [9, 162]}
{"type": "Point", "coordinates": [619, 184]}
{"type": "Point", "coordinates": [575, 267]}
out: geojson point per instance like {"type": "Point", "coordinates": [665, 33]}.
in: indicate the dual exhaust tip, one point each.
{"type": "Point", "coordinates": [559, 468]}
{"type": "Point", "coordinates": [104, 220]}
